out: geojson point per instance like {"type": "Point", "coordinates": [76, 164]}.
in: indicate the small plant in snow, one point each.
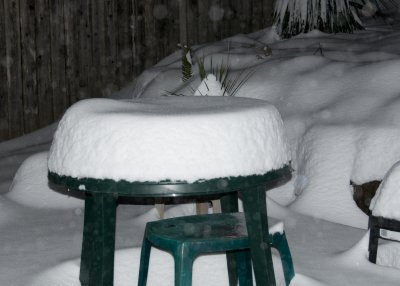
{"type": "Point", "coordinates": [215, 80]}
{"type": "Point", "coordinates": [319, 50]}
{"type": "Point", "coordinates": [218, 80]}
{"type": "Point", "coordinates": [186, 62]}
{"type": "Point", "coordinates": [266, 52]}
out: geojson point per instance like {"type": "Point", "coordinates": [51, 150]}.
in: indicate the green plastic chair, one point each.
{"type": "Point", "coordinates": [188, 237]}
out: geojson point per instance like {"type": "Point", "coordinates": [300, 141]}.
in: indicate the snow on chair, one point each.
{"type": "Point", "coordinates": [385, 217]}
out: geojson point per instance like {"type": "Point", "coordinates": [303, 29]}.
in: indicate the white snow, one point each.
{"type": "Point", "coordinates": [169, 138]}
{"type": "Point", "coordinates": [161, 262]}
{"type": "Point", "coordinates": [386, 202]}
{"type": "Point", "coordinates": [30, 187]}
{"type": "Point", "coordinates": [339, 97]}
{"type": "Point", "coordinates": [210, 86]}
{"type": "Point", "coordinates": [277, 228]}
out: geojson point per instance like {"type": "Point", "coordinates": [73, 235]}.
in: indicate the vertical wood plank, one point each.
{"type": "Point", "coordinates": [58, 58]}
{"type": "Point", "coordinates": [3, 77]}
{"type": "Point", "coordinates": [84, 49]}
{"type": "Point", "coordinates": [225, 24]}
{"type": "Point", "coordinates": [69, 47]}
{"type": "Point", "coordinates": [245, 19]}
{"type": "Point", "coordinates": [241, 22]}
{"type": "Point", "coordinates": [150, 32]}
{"type": "Point", "coordinates": [214, 33]}
{"type": "Point", "coordinates": [73, 14]}
{"type": "Point", "coordinates": [202, 24]}
{"type": "Point", "coordinates": [268, 9]}
{"type": "Point", "coordinates": [110, 33]}
{"type": "Point", "coordinates": [125, 25]}
{"type": "Point", "coordinates": [183, 23]}
{"type": "Point", "coordinates": [138, 35]}
{"type": "Point", "coordinates": [43, 66]}
{"type": "Point", "coordinates": [98, 72]}
{"type": "Point", "coordinates": [161, 25]}
{"type": "Point", "coordinates": [13, 54]}
{"type": "Point", "coordinates": [234, 23]}
{"type": "Point", "coordinates": [173, 36]}
{"type": "Point", "coordinates": [191, 22]}
{"type": "Point", "coordinates": [268, 12]}
{"type": "Point", "coordinates": [257, 15]}
{"type": "Point", "coordinates": [29, 82]}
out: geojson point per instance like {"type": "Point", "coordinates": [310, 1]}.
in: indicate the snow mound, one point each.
{"type": "Point", "coordinates": [6, 213]}
{"type": "Point", "coordinates": [325, 159]}
{"type": "Point", "coordinates": [388, 255]}
{"type": "Point", "coordinates": [301, 280]}
{"type": "Point", "coordinates": [30, 187]}
{"type": "Point", "coordinates": [169, 138]}
{"type": "Point", "coordinates": [210, 86]}
{"type": "Point", "coordinates": [376, 153]}
{"type": "Point", "coordinates": [208, 270]}
{"type": "Point", "coordinates": [386, 202]}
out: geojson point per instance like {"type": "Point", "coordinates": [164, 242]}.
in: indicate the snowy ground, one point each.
{"type": "Point", "coordinates": [339, 96]}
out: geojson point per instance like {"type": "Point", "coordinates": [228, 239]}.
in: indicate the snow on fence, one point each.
{"type": "Point", "coordinates": [54, 53]}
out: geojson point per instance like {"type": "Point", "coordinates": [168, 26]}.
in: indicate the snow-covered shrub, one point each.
{"type": "Point", "coordinates": [292, 17]}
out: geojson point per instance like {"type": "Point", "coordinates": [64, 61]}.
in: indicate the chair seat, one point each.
{"type": "Point", "coordinates": [212, 233]}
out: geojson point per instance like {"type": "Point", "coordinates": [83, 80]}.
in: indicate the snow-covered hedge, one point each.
{"type": "Point", "coordinates": [292, 17]}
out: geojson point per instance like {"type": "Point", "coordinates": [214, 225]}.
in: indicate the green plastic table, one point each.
{"type": "Point", "coordinates": [98, 245]}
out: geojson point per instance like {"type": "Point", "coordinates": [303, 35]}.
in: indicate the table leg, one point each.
{"type": "Point", "coordinates": [98, 246]}
{"type": "Point", "coordinates": [255, 209]}
{"type": "Point", "coordinates": [87, 241]}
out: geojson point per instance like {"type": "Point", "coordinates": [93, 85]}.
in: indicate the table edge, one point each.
{"type": "Point", "coordinates": [271, 179]}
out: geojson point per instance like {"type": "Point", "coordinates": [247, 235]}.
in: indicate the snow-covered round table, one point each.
{"type": "Point", "coordinates": [169, 147]}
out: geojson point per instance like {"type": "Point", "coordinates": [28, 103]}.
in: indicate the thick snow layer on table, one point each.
{"type": "Point", "coordinates": [30, 187]}
{"type": "Point", "coordinates": [386, 202]}
{"type": "Point", "coordinates": [169, 138]}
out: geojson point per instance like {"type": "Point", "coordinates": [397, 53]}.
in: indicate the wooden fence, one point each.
{"type": "Point", "coordinates": [56, 52]}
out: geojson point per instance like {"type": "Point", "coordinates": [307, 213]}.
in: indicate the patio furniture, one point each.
{"type": "Point", "coordinates": [384, 228]}
{"type": "Point", "coordinates": [384, 221]}
{"type": "Point", "coordinates": [188, 237]}
{"type": "Point", "coordinates": [193, 147]}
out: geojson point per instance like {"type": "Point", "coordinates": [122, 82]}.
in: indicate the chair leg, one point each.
{"type": "Point", "coordinates": [373, 243]}
{"type": "Point", "coordinates": [144, 262]}
{"type": "Point", "coordinates": [183, 258]}
{"type": "Point", "coordinates": [279, 241]}
{"type": "Point", "coordinates": [232, 263]}
{"type": "Point", "coordinates": [239, 267]}
{"type": "Point", "coordinates": [244, 269]}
